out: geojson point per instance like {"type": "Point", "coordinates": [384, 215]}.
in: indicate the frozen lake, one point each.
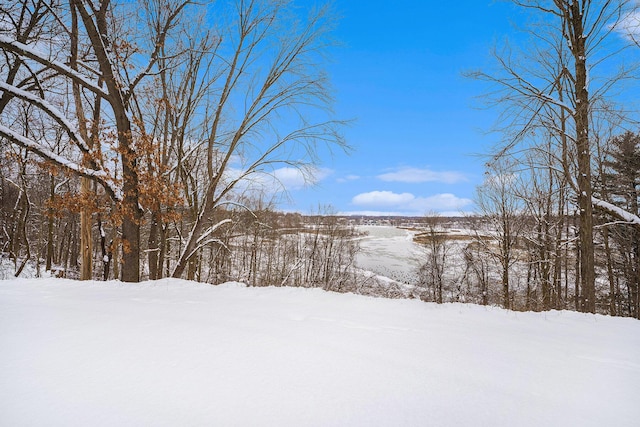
{"type": "Point", "coordinates": [388, 251]}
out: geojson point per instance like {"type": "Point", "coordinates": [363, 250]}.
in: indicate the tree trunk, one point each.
{"type": "Point", "coordinates": [192, 268]}
{"type": "Point", "coordinates": [22, 227]}
{"type": "Point", "coordinates": [505, 287]}
{"type": "Point", "coordinates": [130, 204]}
{"type": "Point", "coordinates": [105, 250]}
{"type": "Point", "coordinates": [610, 274]}
{"type": "Point", "coordinates": [96, 25]}
{"type": "Point", "coordinates": [115, 250]}
{"type": "Point", "coordinates": [153, 254]}
{"type": "Point", "coordinates": [86, 241]}
{"type": "Point", "coordinates": [163, 251]}
{"type": "Point", "coordinates": [587, 269]}
{"type": "Point", "coordinates": [505, 260]}
{"type": "Point", "coordinates": [130, 251]}
{"type": "Point", "coordinates": [528, 302]}
{"type": "Point", "coordinates": [578, 272]}
{"type": "Point", "coordinates": [635, 280]}
{"type": "Point", "coordinates": [49, 256]}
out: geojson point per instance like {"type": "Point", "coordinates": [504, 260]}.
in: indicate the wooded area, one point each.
{"type": "Point", "coordinates": [167, 120]}
{"type": "Point", "coordinates": [562, 123]}
{"type": "Point", "coordinates": [140, 141]}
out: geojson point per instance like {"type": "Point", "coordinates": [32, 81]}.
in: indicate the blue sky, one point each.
{"type": "Point", "coordinates": [417, 127]}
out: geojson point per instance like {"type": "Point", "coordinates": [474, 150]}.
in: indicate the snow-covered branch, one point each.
{"type": "Point", "coordinates": [48, 108]}
{"type": "Point", "coordinates": [212, 229]}
{"type": "Point", "coordinates": [60, 185]}
{"type": "Point", "coordinates": [621, 214]}
{"type": "Point", "coordinates": [21, 49]}
{"type": "Point", "coordinates": [205, 243]}
{"type": "Point", "coordinates": [31, 145]}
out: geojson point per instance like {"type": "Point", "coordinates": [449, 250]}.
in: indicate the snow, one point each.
{"type": "Point", "coordinates": [173, 352]}
{"type": "Point", "coordinates": [388, 251]}
{"type": "Point", "coordinates": [616, 211]}
{"type": "Point", "coordinates": [8, 268]}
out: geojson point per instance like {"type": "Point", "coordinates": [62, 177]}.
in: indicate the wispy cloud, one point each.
{"type": "Point", "coordinates": [631, 23]}
{"type": "Point", "coordinates": [417, 175]}
{"type": "Point", "coordinates": [295, 179]}
{"type": "Point", "coordinates": [408, 203]}
{"type": "Point", "coordinates": [348, 178]}
{"type": "Point", "coordinates": [628, 26]}
{"type": "Point", "coordinates": [279, 180]}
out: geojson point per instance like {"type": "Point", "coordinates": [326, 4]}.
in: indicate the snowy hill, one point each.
{"type": "Point", "coordinates": [179, 353]}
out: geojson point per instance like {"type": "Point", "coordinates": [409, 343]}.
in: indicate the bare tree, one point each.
{"type": "Point", "coordinates": [542, 187]}
{"type": "Point", "coordinates": [432, 269]}
{"type": "Point", "coordinates": [270, 65]}
{"type": "Point", "coordinates": [574, 37]}
{"type": "Point", "coordinates": [477, 271]}
{"type": "Point", "coordinates": [499, 204]}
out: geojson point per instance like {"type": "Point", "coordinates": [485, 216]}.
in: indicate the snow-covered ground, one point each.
{"type": "Point", "coordinates": [8, 269]}
{"type": "Point", "coordinates": [172, 352]}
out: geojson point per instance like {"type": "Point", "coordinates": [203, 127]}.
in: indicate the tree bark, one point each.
{"type": "Point", "coordinates": [49, 256]}
{"type": "Point", "coordinates": [97, 30]}
{"type": "Point", "coordinates": [587, 269]}
{"type": "Point", "coordinates": [153, 256]}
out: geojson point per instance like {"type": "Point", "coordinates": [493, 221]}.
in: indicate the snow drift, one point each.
{"type": "Point", "coordinates": [173, 352]}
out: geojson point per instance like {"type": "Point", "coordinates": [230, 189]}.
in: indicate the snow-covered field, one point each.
{"type": "Point", "coordinates": [172, 352]}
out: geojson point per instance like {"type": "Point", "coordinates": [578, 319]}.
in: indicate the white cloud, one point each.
{"type": "Point", "coordinates": [418, 175]}
{"type": "Point", "coordinates": [408, 204]}
{"type": "Point", "coordinates": [319, 174]}
{"type": "Point", "coordinates": [289, 178]}
{"type": "Point", "coordinates": [382, 198]}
